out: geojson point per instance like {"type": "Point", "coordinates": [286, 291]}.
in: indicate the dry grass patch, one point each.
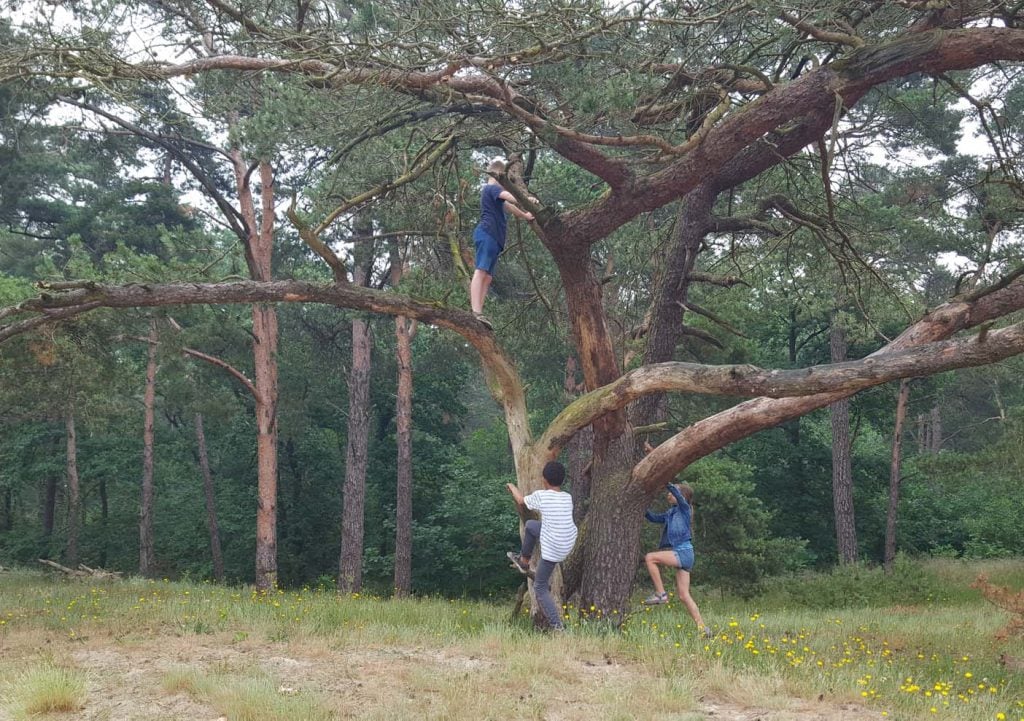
{"type": "Point", "coordinates": [45, 688]}
{"type": "Point", "coordinates": [253, 698]}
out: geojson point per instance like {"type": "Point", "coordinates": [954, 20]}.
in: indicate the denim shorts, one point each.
{"type": "Point", "coordinates": [684, 554]}
{"type": "Point", "coordinates": [487, 250]}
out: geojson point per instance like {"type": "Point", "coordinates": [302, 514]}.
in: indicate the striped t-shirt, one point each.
{"type": "Point", "coordinates": [557, 531]}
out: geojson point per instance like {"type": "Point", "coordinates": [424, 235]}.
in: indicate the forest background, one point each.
{"type": "Point", "coordinates": [209, 144]}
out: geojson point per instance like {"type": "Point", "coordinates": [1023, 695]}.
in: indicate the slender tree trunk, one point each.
{"type": "Point", "coordinates": [74, 492]}
{"type": "Point", "coordinates": [404, 330]}
{"type": "Point", "coordinates": [211, 506]}
{"type": "Point", "coordinates": [259, 247]}
{"type": "Point", "coordinates": [894, 474]}
{"type": "Point", "coordinates": [842, 465]}
{"type": "Point", "coordinates": [49, 505]}
{"type": "Point", "coordinates": [8, 518]}
{"type": "Point", "coordinates": [350, 564]}
{"type": "Point", "coordinates": [265, 338]}
{"type": "Point", "coordinates": [146, 552]}
{"type": "Point", "coordinates": [104, 518]}
{"type": "Point", "coordinates": [935, 432]}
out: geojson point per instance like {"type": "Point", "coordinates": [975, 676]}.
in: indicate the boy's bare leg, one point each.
{"type": "Point", "coordinates": [652, 560]}
{"type": "Point", "coordinates": [683, 592]}
{"type": "Point", "coordinates": [478, 288]}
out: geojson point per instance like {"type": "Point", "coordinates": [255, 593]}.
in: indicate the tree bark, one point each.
{"type": "Point", "coordinates": [350, 564]}
{"type": "Point", "coordinates": [405, 331]}
{"type": "Point", "coordinates": [935, 430]}
{"type": "Point", "coordinates": [74, 491]}
{"type": "Point", "coordinates": [104, 518]}
{"type": "Point", "coordinates": [49, 505]}
{"type": "Point", "coordinates": [146, 551]}
{"type": "Point", "coordinates": [842, 464]}
{"type": "Point", "coordinates": [895, 479]}
{"type": "Point", "coordinates": [667, 318]}
{"type": "Point", "coordinates": [259, 244]}
{"type": "Point", "coordinates": [8, 510]}
{"type": "Point", "coordinates": [211, 505]}
{"type": "Point", "coordinates": [403, 490]}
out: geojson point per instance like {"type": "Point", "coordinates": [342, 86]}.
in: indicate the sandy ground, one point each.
{"type": "Point", "coordinates": [126, 683]}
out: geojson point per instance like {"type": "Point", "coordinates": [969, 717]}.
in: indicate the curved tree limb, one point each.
{"type": "Point", "coordinates": [721, 429]}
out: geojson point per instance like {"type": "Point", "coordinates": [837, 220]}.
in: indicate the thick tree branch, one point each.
{"type": "Point", "coordinates": [717, 431]}
{"type": "Point", "coordinates": [503, 380]}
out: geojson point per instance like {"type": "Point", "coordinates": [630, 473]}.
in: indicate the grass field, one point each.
{"type": "Point", "coordinates": [845, 646]}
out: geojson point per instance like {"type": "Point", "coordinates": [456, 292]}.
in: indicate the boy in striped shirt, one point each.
{"type": "Point", "coordinates": [555, 531]}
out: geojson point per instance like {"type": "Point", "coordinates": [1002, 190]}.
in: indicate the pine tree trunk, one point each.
{"type": "Point", "coordinates": [842, 465]}
{"type": "Point", "coordinates": [265, 338]}
{"type": "Point", "coordinates": [211, 506]}
{"type": "Point", "coordinates": [74, 494]}
{"type": "Point", "coordinates": [610, 536]}
{"type": "Point", "coordinates": [49, 505]}
{"type": "Point", "coordinates": [935, 434]}
{"type": "Point", "coordinates": [350, 564]}
{"type": "Point", "coordinates": [350, 569]}
{"type": "Point", "coordinates": [894, 474]}
{"type": "Point", "coordinates": [8, 518]}
{"type": "Point", "coordinates": [259, 251]}
{"type": "Point", "coordinates": [104, 518]}
{"type": "Point", "coordinates": [146, 552]}
{"type": "Point", "coordinates": [403, 488]}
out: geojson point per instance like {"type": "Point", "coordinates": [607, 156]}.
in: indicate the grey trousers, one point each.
{"type": "Point", "coordinates": [542, 578]}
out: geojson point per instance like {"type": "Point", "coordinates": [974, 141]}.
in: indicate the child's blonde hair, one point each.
{"type": "Point", "coordinates": [497, 167]}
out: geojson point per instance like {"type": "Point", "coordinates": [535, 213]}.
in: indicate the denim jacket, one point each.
{"type": "Point", "coordinates": [676, 520]}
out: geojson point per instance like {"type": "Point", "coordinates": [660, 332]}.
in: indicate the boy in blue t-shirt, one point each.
{"type": "Point", "coordinates": [676, 550]}
{"type": "Point", "coordinates": [489, 236]}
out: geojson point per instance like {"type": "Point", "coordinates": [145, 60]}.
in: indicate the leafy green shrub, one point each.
{"type": "Point", "coordinates": [735, 550]}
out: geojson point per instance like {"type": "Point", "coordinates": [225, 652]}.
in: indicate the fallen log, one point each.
{"type": "Point", "coordinates": [82, 571]}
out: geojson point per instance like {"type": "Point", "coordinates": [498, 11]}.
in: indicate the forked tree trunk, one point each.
{"type": "Point", "coordinates": [894, 474]}
{"type": "Point", "coordinates": [350, 564]}
{"type": "Point", "coordinates": [146, 552]}
{"type": "Point", "coordinates": [74, 493]}
{"type": "Point", "coordinates": [211, 505]}
{"type": "Point", "coordinates": [259, 247]}
{"type": "Point", "coordinates": [404, 330]}
{"type": "Point", "coordinates": [842, 464]}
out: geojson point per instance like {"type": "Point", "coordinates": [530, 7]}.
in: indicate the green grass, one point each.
{"type": "Point", "coordinates": [832, 637]}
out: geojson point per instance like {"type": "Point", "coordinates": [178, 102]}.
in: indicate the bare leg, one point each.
{"type": "Point", "coordinates": [478, 288]}
{"type": "Point", "coordinates": [683, 592]}
{"type": "Point", "coordinates": [652, 560]}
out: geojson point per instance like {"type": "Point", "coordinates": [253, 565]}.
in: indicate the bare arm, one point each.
{"type": "Point", "coordinates": [510, 204]}
{"type": "Point", "coordinates": [517, 496]}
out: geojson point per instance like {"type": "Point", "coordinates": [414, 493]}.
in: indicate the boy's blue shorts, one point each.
{"type": "Point", "coordinates": [487, 250]}
{"type": "Point", "coordinates": [684, 554]}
